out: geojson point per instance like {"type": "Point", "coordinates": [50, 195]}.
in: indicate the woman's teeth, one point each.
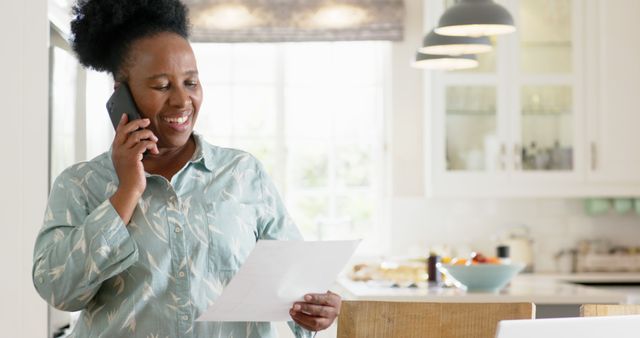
{"type": "Point", "coordinates": [179, 120]}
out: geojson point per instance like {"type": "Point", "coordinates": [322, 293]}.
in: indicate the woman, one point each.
{"type": "Point", "coordinates": [144, 237]}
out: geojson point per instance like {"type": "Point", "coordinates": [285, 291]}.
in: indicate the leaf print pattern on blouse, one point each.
{"type": "Point", "coordinates": [153, 277]}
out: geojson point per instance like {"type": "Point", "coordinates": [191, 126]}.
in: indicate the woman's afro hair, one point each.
{"type": "Point", "coordinates": [103, 30]}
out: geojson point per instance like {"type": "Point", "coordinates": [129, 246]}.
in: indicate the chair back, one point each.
{"type": "Point", "coordinates": [374, 319]}
{"type": "Point", "coordinates": [597, 310]}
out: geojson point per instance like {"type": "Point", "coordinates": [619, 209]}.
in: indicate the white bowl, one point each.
{"type": "Point", "coordinates": [482, 277]}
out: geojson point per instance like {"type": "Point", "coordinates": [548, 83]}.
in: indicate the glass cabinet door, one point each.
{"type": "Point", "coordinates": [471, 114]}
{"type": "Point", "coordinates": [547, 128]}
{"type": "Point", "coordinates": [471, 128]}
{"type": "Point", "coordinates": [545, 49]}
{"type": "Point", "coordinates": [514, 122]}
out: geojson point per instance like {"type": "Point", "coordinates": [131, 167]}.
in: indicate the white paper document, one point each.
{"type": "Point", "coordinates": [275, 275]}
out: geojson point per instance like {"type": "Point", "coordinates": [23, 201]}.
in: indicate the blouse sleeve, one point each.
{"type": "Point", "coordinates": [78, 249]}
{"type": "Point", "coordinates": [274, 221]}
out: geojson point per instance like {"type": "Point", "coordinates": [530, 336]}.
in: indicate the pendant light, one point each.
{"type": "Point", "coordinates": [445, 62]}
{"type": "Point", "coordinates": [437, 44]}
{"type": "Point", "coordinates": [475, 18]}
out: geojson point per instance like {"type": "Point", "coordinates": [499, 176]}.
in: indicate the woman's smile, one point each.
{"type": "Point", "coordinates": [178, 122]}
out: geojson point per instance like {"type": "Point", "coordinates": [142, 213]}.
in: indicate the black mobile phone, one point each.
{"type": "Point", "coordinates": [122, 102]}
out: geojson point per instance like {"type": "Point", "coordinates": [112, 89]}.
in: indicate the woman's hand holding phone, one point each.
{"type": "Point", "coordinates": [128, 148]}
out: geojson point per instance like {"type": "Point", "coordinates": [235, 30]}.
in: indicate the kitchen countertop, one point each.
{"type": "Point", "coordinates": [597, 277]}
{"type": "Point", "coordinates": [536, 288]}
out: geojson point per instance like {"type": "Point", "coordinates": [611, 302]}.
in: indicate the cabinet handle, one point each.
{"type": "Point", "coordinates": [503, 155]}
{"type": "Point", "coordinates": [594, 156]}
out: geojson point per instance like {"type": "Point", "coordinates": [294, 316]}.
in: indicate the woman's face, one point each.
{"type": "Point", "coordinates": [162, 73]}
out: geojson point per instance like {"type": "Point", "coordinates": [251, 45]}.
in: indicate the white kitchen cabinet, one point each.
{"type": "Point", "coordinates": [614, 90]}
{"type": "Point", "coordinates": [533, 119]}
{"type": "Point", "coordinates": [513, 126]}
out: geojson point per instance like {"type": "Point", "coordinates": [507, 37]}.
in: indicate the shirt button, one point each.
{"type": "Point", "coordinates": [181, 273]}
{"type": "Point", "coordinates": [178, 229]}
{"type": "Point", "coordinates": [185, 317]}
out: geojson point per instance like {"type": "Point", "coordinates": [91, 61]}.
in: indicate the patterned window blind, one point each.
{"type": "Point", "coordinates": [295, 20]}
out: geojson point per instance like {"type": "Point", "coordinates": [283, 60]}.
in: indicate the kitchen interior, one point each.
{"type": "Point", "coordinates": [528, 142]}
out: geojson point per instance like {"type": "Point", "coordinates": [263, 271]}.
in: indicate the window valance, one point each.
{"type": "Point", "coordinates": [295, 20]}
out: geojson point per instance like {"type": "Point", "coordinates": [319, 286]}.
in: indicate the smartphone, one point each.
{"type": "Point", "coordinates": [121, 102]}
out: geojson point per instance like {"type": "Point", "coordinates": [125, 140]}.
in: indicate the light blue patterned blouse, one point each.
{"type": "Point", "coordinates": [186, 239]}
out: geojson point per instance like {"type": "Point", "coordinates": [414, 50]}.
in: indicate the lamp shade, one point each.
{"type": "Point", "coordinates": [475, 18]}
{"type": "Point", "coordinates": [445, 62]}
{"type": "Point", "coordinates": [434, 43]}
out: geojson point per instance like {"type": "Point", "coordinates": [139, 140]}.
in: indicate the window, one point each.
{"type": "Point", "coordinates": [64, 77]}
{"type": "Point", "coordinates": [312, 113]}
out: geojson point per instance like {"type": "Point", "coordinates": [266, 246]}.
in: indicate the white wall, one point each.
{"type": "Point", "coordinates": [556, 224]}
{"type": "Point", "coordinates": [23, 93]}
{"type": "Point", "coordinates": [406, 116]}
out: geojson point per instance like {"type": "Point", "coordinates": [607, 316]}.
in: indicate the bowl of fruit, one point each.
{"type": "Point", "coordinates": [481, 274]}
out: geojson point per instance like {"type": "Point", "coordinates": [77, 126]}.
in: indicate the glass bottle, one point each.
{"type": "Point", "coordinates": [435, 278]}
{"type": "Point", "coordinates": [502, 251]}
